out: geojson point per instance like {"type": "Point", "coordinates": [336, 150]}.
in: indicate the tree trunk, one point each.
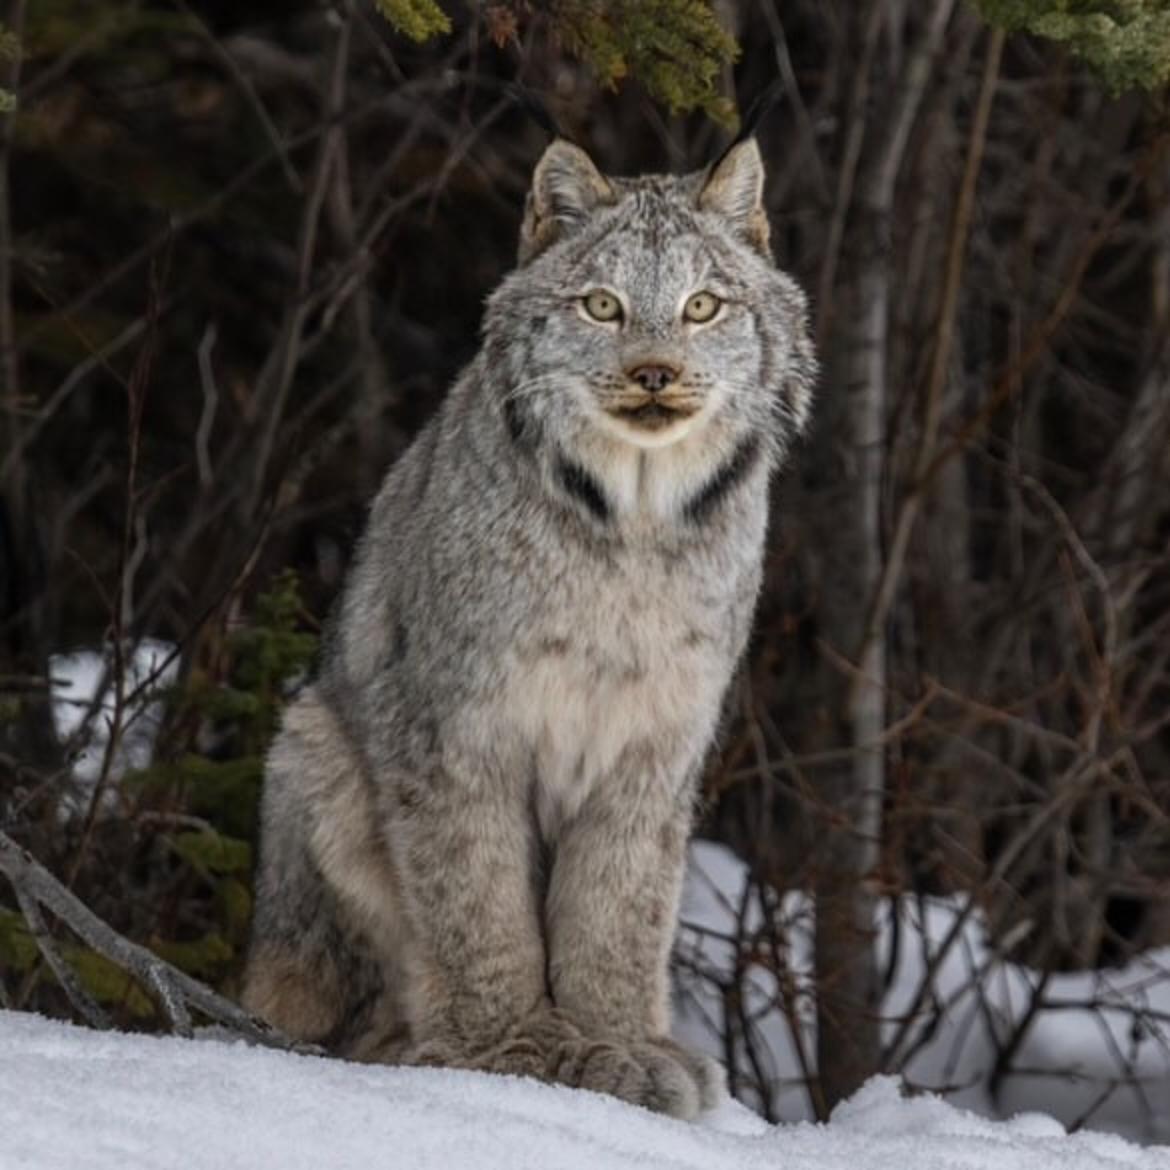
{"type": "Point", "coordinates": [848, 990]}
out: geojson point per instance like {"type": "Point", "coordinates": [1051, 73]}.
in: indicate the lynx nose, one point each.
{"type": "Point", "coordinates": [653, 377]}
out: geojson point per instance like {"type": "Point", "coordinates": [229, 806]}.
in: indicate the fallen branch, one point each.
{"type": "Point", "coordinates": [175, 991]}
{"type": "Point", "coordinates": [83, 1003]}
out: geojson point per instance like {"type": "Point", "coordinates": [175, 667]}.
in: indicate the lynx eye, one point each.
{"type": "Point", "coordinates": [701, 307]}
{"type": "Point", "coordinates": [602, 305]}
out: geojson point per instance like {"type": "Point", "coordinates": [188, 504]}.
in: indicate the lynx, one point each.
{"type": "Point", "coordinates": [474, 820]}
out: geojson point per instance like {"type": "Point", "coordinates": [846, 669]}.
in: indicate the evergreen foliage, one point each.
{"type": "Point", "coordinates": [417, 19]}
{"type": "Point", "coordinates": [1127, 42]}
{"type": "Point", "coordinates": [223, 786]}
{"type": "Point", "coordinates": [675, 48]}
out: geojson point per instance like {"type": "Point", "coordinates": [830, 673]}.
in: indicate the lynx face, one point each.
{"type": "Point", "coordinates": [650, 308]}
{"type": "Point", "coordinates": [653, 333]}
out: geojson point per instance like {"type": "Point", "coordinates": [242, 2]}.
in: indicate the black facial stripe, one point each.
{"type": "Point", "coordinates": [583, 487]}
{"type": "Point", "coordinates": [522, 422]}
{"type": "Point", "coordinates": [724, 481]}
{"type": "Point", "coordinates": [516, 420]}
{"type": "Point", "coordinates": [767, 358]}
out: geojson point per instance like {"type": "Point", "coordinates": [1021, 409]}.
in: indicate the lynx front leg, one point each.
{"type": "Point", "coordinates": [476, 961]}
{"type": "Point", "coordinates": [613, 901]}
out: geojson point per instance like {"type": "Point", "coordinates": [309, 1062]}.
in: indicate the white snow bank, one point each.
{"type": "Point", "coordinates": [1097, 1052]}
{"type": "Point", "coordinates": [72, 1099]}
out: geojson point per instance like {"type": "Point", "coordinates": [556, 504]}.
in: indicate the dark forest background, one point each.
{"type": "Point", "coordinates": [244, 249]}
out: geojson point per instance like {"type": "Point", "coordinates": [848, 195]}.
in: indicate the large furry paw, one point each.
{"type": "Point", "coordinates": [708, 1073]}
{"type": "Point", "coordinates": [530, 1048]}
{"type": "Point", "coordinates": [653, 1072]}
{"type": "Point", "coordinates": [641, 1072]}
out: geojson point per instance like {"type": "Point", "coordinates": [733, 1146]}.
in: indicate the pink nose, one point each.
{"type": "Point", "coordinates": [653, 377]}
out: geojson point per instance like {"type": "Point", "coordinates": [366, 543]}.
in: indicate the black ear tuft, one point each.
{"type": "Point", "coordinates": [761, 106]}
{"type": "Point", "coordinates": [534, 106]}
{"type": "Point", "coordinates": [733, 187]}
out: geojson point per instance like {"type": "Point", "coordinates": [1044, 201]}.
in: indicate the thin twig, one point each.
{"type": "Point", "coordinates": [248, 90]}
{"type": "Point", "coordinates": [288, 354]}
{"type": "Point", "coordinates": [24, 438]}
{"type": "Point", "coordinates": [210, 401]}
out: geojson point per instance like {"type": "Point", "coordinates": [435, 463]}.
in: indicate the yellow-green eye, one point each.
{"type": "Point", "coordinates": [602, 305]}
{"type": "Point", "coordinates": [701, 306]}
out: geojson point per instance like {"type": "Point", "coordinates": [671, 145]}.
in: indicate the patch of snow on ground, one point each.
{"type": "Point", "coordinates": [72, 1099]}
{"type": "Point", "coordinates": [1072, 1059]}
{"type": "Point", "coordinates": [83, 692]}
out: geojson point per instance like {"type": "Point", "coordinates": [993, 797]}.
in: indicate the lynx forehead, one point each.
{"type": "Point", "coordinates": [474, 820]}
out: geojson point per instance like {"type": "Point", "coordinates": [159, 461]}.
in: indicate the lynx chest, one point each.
{"type": "Point", "coordinates": [618, 668]}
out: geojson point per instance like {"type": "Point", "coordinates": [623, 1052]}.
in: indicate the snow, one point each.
{"type": "Point", "coordinates": [72, 1098]}
{"type": "Point", "coordinates": [1108, 1065]}
{"type": "Point", "coordinates": [84, 704]}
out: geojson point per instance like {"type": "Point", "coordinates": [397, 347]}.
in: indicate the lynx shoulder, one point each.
{"type": "Point", "coordinates": [474, 820]}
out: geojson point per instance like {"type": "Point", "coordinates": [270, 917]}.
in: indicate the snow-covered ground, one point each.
{"type": "Point", "coordinates": [72, 1099]}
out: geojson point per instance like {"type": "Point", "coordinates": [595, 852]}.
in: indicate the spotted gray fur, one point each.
{"type": "Point", "coordinates": [474, 821]}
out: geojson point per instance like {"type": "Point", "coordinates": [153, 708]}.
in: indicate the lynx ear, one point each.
{"type": "Point", "coordinates": [734, 189]}
{"type": "Point", "coordinates": [566, 188]}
